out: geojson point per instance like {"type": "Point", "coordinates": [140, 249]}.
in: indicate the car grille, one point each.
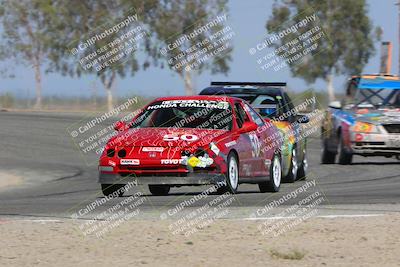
{"type": "Point", "coordinates": [370, 143]}
{"type": "Point", "coordinates": [392, 128]}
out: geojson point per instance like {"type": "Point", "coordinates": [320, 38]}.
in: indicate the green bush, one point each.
{"type": "Point", "coordinates": [7, 100]}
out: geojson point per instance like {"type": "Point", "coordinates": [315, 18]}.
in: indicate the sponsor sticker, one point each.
{"type": "Point", "coordinates": [171, 161]}
{"type": "Point", "coordinates": [214, 148]}
{"type": "Point", "coordinates": [231, 143]}
{"type": "Point", "coordinates": [191, 104]}
{"type": "Point", "coordinates": [184, 137]}
{"type": "Point", "coordinates": [130, 162]}
{"type": "Point", "coordinates": [193, 161]}
{"type": "Point", "coordinates": [152, 149]}
{"type": "Point", "coordinates": [255, 144]}
{"type": "Point", "coordinates": [204, 162]}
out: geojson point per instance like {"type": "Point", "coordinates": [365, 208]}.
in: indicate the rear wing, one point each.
{"type": "Point", "coordinates": [248, 83]}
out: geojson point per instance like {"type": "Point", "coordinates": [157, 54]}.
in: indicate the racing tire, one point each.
{"type": "Point", "coordinates": [302, 171]}
{"type": "Point", "coordinates": [159, 190]}
{"type": "Point", "coordinates": [327, 157]}
{"type": "Point", "coordinates": [109, 189]}
{"type": "Point", "coordinates": [291, 177]}
{"type": "Point", "coordinates": [345, 157]}
{"type": "Point", "coordinates": [231, 177]}
{"type": "Point", "coordinates": [275, 177]}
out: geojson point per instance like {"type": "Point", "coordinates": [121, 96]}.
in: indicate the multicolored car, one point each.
{"type": "Point", "coordinates": [366, 122]}
{"type": "Point", "coordinates": [272, 102]}
{"type": "Point", "coordinates": [193, 140]}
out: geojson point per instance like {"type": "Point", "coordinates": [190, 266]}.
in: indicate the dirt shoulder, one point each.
{"type": "Point", "coordinates": [366, 241]}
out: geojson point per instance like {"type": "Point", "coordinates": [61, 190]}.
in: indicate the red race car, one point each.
{"type": "Point", "coordinates": [193, 140]}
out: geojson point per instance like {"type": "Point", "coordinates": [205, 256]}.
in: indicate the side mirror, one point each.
{"type": "Point", "coordinates": [303, 119]}
{"type": "Point", "coordinates": [248, 126]}
{"type": "Point", "coordinates": [120, 126]}
{"type": "Point", "coordinates": [335, 105]}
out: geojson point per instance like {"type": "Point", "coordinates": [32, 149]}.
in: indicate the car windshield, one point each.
{"type": "Point", "coordinates": [203, 114]}
{"type": "Point", "coordinates": [377, 98]}
{"type": "Point", "coordinates": [266, 105]}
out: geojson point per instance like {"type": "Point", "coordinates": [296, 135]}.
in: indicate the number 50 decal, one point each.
{"type": "Point", "coordinates": [185, 137]}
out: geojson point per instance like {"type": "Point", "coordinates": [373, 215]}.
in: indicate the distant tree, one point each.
{"type": "Point", "coordinates": [77, 22]}
{"type": "Point", "coordinates": [345, 50]}
{"type": "Point", "coordinates": [25, 26]}
{"type": "Point", "coordinates": [173, 19]}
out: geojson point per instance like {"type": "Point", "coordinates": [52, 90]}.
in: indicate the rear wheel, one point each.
{"type": "Point", "coordinates": [109, 189]}
{"type": "Point", "coordinates": [275, 176]}
{"type": "Point", "coordinates": [302, 171]}
{"type": "Point", "coordinates": [345, 157]}
{"type": "Point", "coordinates": [231, 177]}
{"type": "Point", "coordinates": [159, 190]}
{"type": "Point", "coordinates": [292, 175]}
{"type": "Point", "coordinates": [327, 157]}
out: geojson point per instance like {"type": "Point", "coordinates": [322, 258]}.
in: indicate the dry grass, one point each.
{"type": "Point", "coordinates": [292, 255]}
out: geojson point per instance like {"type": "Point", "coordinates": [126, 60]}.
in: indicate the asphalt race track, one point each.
{"type": "Point", "coordinates": [57, 182]}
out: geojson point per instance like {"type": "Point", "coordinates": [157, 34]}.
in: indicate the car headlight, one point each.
{"type": "Point", "coordinates": [364, 127]}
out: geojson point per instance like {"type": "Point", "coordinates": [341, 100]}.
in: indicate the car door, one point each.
{"type": "Point", "coordinates": [265, 135]}
{"type": "Point", "coordinates": [247, 161]}
{"type": "Point", "coordinates": [296, 129]}
{"type": "Point", "coordinates": [282, 122]}
{"type": "Point", "coordinates": [256, 159]}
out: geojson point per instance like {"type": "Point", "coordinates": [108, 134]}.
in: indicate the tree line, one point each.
{"type": "Point", "coordinates": [44, 33]}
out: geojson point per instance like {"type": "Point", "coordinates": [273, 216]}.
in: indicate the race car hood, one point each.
{"type": "Point", "coordinates": [165, 137]}
{"type": "Point", "coordinates": [377, 117]}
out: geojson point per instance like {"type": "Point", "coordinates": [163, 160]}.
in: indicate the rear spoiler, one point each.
{"type": "Point", "coordinates": [250, 83]}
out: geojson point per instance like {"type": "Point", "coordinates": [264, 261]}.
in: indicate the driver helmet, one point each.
{"type": "Point", "coordinates": [269, 107]}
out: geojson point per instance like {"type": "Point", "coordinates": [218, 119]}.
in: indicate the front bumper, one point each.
{"type": "Point", "coordinates": [375, 144]}
{"type": "Point", "coordinates": [189, 179]}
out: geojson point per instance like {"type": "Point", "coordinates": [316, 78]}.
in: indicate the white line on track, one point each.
{"type": "Point", "coordinates": [37, 220]}
{"type": "Point", "coordinates": [320, 216]}
{"type": "Point", "coordinates": [236, 219]}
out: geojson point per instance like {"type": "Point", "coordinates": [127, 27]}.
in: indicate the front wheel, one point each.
{"type": "Point", "coordinates": [232, 176]}
{"type": "Point", "coordinates": [109, 189]}
{"type": "Point", "coordinates": [327, 157]}
{"type": "Point", "coordinates": [275, 176]}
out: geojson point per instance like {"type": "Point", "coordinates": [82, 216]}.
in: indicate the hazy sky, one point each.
{"type": "Point", "coordinates": [247, 19]}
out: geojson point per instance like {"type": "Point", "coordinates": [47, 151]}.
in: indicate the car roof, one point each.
{"type": "Point", "coordinates": [253, 88]}
{"type": "Point", "coordinates": [375, 76]}
{"type": "Point", "coordinates": [370, 81]}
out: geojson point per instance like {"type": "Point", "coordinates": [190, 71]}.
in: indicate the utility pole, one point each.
{"type": "Point", "coordinates": [94, 94]}
{"type": "Point", "coordinates": [386, 58]}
